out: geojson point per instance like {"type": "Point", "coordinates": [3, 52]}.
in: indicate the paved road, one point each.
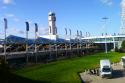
{"type": "Point", "coordinates": [118, 76]}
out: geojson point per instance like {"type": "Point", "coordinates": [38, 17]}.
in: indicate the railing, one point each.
{"type": "Point", "coordinates": [61, 49]}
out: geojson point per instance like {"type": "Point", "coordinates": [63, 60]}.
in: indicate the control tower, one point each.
{"type": "Point", "coordinates": [52, 23]}
{"type": "Point", "coordinates": [122, 28]}
{"type": "Point", "coordinates": [52, 27]}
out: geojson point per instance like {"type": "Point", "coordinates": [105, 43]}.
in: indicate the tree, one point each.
{"type": "Point", "coordinates": [123, 44]}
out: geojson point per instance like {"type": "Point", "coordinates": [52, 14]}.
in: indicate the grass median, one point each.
{"type": "Point", "coordinates": [65, 71]}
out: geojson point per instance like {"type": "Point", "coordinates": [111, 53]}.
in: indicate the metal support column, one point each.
{"type": "Point", "coordinates": [36, 30]}
{"type": "Point", "coordinates": [27, 29]}
{"type": "Point", "coordinates": [5, 39]}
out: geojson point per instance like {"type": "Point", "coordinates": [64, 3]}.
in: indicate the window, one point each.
{"type": "Point", "coordinates": [106, 69]}
{"type": "Point", "coordinates": [50, 29]}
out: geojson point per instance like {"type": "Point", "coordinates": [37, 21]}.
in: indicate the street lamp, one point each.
{"type": "Point", "coordinates": [105, 19]}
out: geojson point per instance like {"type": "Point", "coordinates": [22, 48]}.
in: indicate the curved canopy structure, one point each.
{"type": "Point", "coordinates": [12, 39]}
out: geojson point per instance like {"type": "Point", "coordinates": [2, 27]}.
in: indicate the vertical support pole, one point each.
{"type": "Point", "coordinates": [50, 56]}
{"type": "Point", "coordinates": [56, 48]}
{"type": "Point", "coordinates": [36, 30]}
{"type": "Point", "coordinates": [27, 29]}
{"type": "Point", "coordinates": [65, 41]}
{"type": "Point", "coordinates": [105, 44]}
{"type": "Point", "coordinates": [105, 19]}
{"type": "Point", "coordinates": [77, 42]}
{"type": "Point", "coordinates": [70, 41]}
{"type": "Point", "coordinates": [80, 41]}
{"type": "Point", "coordinates": [26, 41]}
{"type": "Point", "coordinates": [27, 47]}
{"type": "Point", "coordinates": [5, 39]}
{"type": "Point", "coordinates": [114, 43]}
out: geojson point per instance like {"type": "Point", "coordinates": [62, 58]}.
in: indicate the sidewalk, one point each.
{"type": "Point", "coordinates": [118, 76]}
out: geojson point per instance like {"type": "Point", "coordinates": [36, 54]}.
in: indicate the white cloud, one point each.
{"type": "Point", "coordinates": [15, 31]}
{"type": "Point", "coordinates": [21, 31]}
{"type": "Point", "coordinates": [9, 15]}
{"type": "Point", "coordinates": [43, 31]}
{"type": "Point", "coordinates": [7, 1]}
{"type": "Point", "coordinates": [107, 2]}
{"type": "Point", "coordinates": [16, 19]}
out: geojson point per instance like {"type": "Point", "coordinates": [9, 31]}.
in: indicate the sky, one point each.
{"type": "Point", "coordinates": [82, 15]}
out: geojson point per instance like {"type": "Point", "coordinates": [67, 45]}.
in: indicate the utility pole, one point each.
{"type": "Point", "coordinates": [105, 21]}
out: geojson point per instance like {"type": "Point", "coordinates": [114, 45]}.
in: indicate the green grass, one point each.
{"type": "Point", "coordinates": [65, 71]}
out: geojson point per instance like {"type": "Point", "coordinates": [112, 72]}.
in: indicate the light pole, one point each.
{"type": "Point", "coordinates": [5, 40]}
{"type": "Point", "coordinates": [77, 39]}
{"type": "Point", "coordinates": [36, 31]}
{"type": "Point", "coordinates": [27, 29]}
{"type": "Point", "coordinates": [77, 42]}
{"type": "Point", "coordinates": [65, 40]}
{"type": "Point", "coordinates": [70, 33]}
{"type": "Point", "coordinates": [56, 48]}
{"type": "Point", "coordinates": [80, 39]}
{"type": "Point", "coordinates": [105, 19]}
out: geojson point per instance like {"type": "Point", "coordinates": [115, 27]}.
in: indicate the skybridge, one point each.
{"type": "Point", "coordinates": [116, 40]}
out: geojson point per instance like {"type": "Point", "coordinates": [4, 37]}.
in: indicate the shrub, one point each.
{"type": "Point", "coordinates": [3, 67]}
